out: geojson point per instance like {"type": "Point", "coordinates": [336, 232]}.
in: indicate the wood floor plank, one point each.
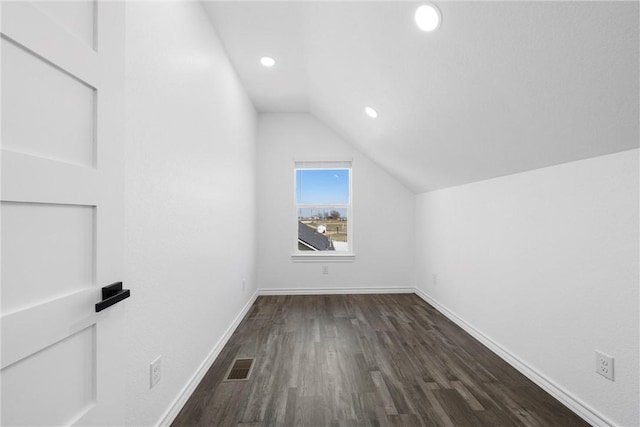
{"type": "Point", "coordinates": [467, 395]}
{"type": "Point", "coordinates": [291, 407]}
{"type": "Point", "coordinates": [456, 408]}
{"type": "Point", "coordinates": [383, 392]}
{"type": "Point", "coordinates": [364, 360]}
{"type": "Point", "coordinates": [435, 405]}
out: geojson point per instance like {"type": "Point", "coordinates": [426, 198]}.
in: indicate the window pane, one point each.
{"type": "Point", "coordinates": [322, 229]}
{"type": "Point", "coordinates": [322, 186]}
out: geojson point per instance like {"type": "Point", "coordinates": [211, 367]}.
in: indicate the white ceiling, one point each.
{"type": "Point", "coordinates": [500, 88]}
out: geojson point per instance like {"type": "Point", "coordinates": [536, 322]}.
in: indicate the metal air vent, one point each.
{"type": "Point", "coordinates": [240, 370]}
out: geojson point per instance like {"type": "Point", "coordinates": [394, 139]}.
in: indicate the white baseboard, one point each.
{"type": "Point", "coordinates": [590, 415]}
{"type": "Point", "coordinates": [170, 414]}
{"type": "Point", "coordinates": [335, 291]}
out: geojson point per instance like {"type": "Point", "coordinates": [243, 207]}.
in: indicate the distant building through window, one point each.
{"type": "Point", "coordinates": [323, 206]}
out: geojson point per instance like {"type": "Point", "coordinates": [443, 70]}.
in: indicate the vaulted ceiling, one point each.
{"type": "Point", "coordinates": [499, 88]}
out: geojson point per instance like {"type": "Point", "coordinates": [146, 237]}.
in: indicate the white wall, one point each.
{"type": "Point", "coordinates": [545, 263]}
{"type": "Point", "coordinates": [190, 198]}
{"type": "Point", "coordinates": [382, 212]}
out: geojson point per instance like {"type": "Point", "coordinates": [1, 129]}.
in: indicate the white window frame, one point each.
{"type": "Point", "coordinates": [323, 256]}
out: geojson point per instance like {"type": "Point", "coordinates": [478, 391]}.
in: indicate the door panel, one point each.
{"type": "Point", "coordinates": [61, 212]}
{"type": "Point", "coordinates": [74, 360]}
{"type": "Point", "coordinates": [47, 252]}
{"type": "Point", "coordinates": [35, 31]}
{"type": "Point", "coordinates": [27, 331]}
{"type": "Point", "coordinates": [64, 106]}
{"type": "Point", "coordinates": [50, 184]}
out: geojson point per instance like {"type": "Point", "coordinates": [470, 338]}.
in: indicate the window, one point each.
{"type": "Point", "coordinates": [323, 208]}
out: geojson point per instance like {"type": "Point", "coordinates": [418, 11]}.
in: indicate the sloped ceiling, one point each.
{"type": "Point", "coordinates": [499, 88]}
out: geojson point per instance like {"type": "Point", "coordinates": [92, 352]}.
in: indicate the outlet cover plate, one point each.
{"type": "Point", "coordinates": [155, 372]}
{"type": "Point", "coordinates": [604, 365]}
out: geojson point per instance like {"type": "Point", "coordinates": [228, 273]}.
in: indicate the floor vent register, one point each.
{"type": "Point", "coordinates": [240, 370]}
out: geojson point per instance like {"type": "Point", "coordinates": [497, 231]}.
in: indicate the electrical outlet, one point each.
{"type": "Point", "coordinates": [155, 372]}
{"type": "Point", "coordinates": [604, 365]}
{"type": "Point", "coordinates": [244, 284]}
{"type": "Point", "coordinates": [325, 269]}
{"type": "Point", "coordinates": [434, 279]}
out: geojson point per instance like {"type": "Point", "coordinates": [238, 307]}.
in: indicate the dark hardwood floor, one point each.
{"type": "Point", "coordinates": [364, 360]}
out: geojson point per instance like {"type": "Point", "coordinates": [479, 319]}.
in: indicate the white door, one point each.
{"type": "Point", "coordinates": [61, 211]}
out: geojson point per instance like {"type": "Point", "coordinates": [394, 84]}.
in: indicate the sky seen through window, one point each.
{"type": "Point", "coordinates": [322, 186]}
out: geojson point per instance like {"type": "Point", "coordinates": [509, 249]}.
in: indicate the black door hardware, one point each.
{"type": "Point", "coordinates": [112, 294]}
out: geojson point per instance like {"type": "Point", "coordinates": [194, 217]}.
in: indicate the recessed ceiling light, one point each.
{"type": "Point", "coordinates": [267, 61]}
{"type": "Point", "coordinates": [371, 112]}
{"type": "Point", "coordinates": [428, 17]}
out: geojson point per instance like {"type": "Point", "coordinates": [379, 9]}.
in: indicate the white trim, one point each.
{"type": "Point", "coordinates": [321, 206]}
{"type": "Point", "coordinates": [321, 256]}
{"type": "Point", "coordinates": [172, 412]}
{"type": "Point", "coordinates": [323, 164]}
{"type": "Point", "coordinates": [335, 291]}
{"type": "Point", "coordinates": [581, 409]}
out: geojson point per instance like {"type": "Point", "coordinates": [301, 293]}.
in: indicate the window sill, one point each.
{"type": "Point", "coordinates": [323, 257]}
